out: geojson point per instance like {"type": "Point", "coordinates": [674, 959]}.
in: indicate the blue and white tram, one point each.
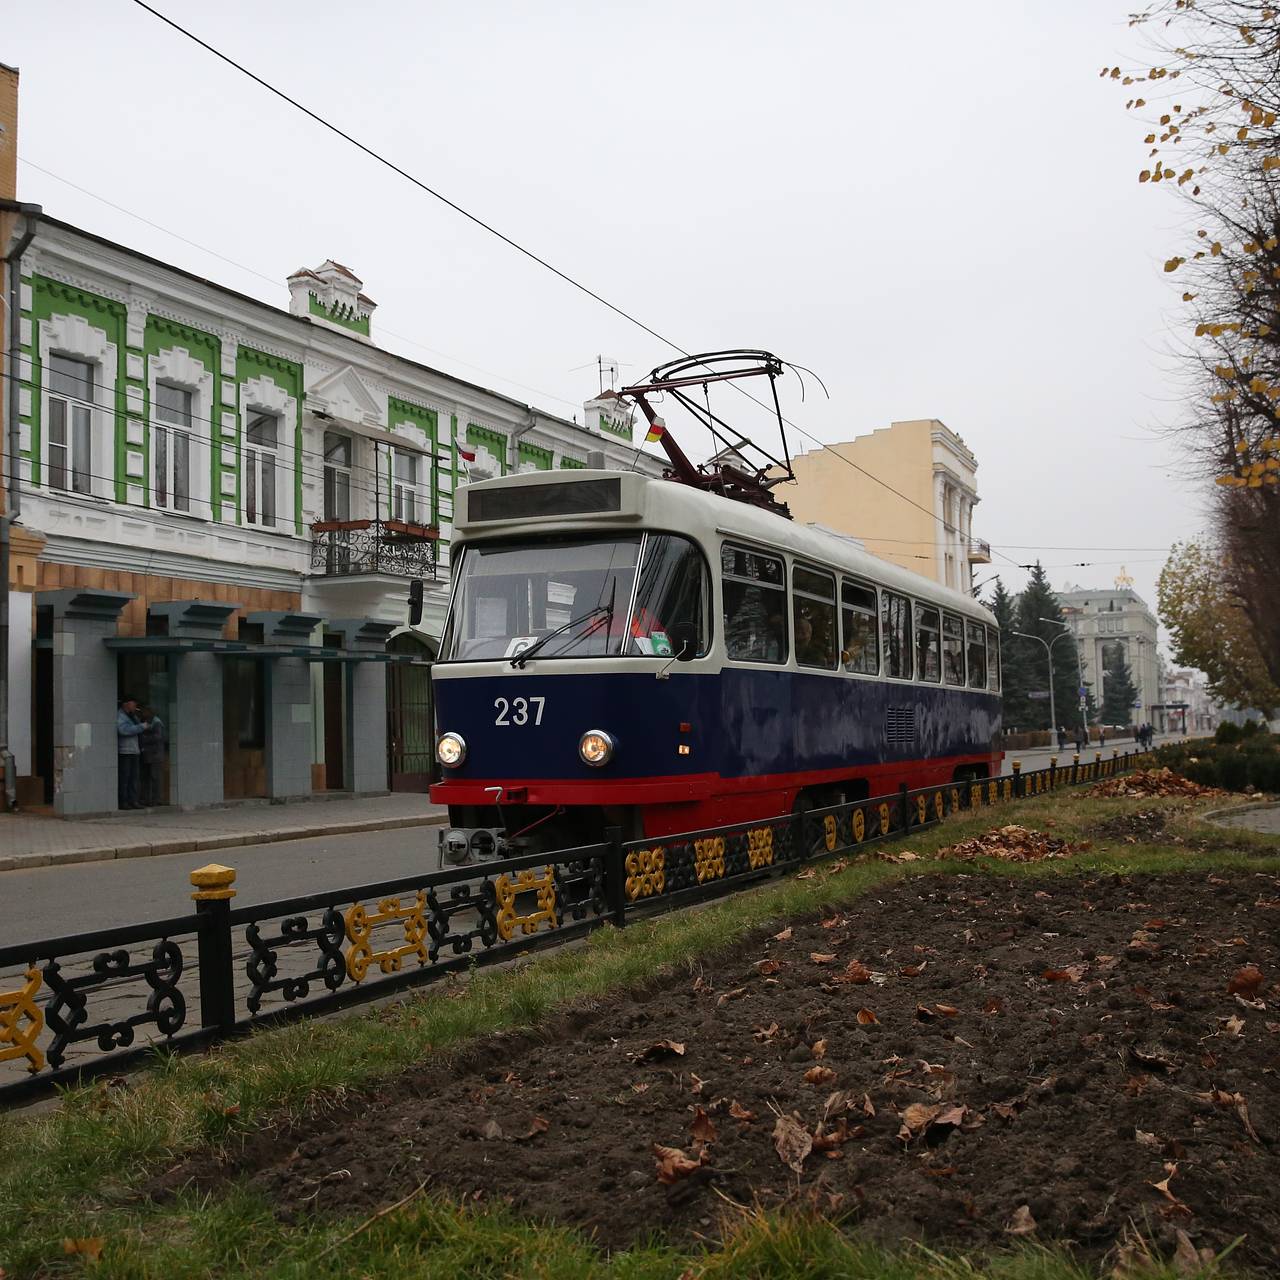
{"type": "Point", "coordinates": [633, 652]}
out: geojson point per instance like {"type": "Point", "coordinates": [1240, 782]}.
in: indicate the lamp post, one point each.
{"type": "Point", "coordinates": [1066, 631]}
{"type": "Point", "coordinates": [1048, 652]}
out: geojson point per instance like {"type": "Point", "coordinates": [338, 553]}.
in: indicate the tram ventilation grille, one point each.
{"type": "Point", "coordinates": [900, 726]}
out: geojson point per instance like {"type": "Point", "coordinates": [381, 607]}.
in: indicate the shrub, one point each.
{"type": "Point", "coordinates": [1228, 733]}
{"type": "Point", "coordinates": [1244, 760]}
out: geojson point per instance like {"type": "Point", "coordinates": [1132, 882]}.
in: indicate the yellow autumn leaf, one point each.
{"type": "Point", "coordinates": [1188, 297]}
{"type": "Point", "coordinates": [1174, 263]}
{"type": "Point", "coordinates": [1145, 176]}
{"type": "Point", "coordinates": [1270, 242]}
{"type": "Point", "coordinates": [1263, 330]}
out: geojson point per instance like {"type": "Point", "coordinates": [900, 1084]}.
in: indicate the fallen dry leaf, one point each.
{"type": "Point", "coordinates": [90, 1246]}
{"type": "Point", "coordinates": [946, 1010]}
{"type": "Point", "coordinates": [536, 1126]}
{"type": "Point", "coordinates": [866, 1017]}
{"type": "Point", "coordinates": [729, 995]}
{"type": "Point", "coordinates": [993, 1004]}
{"type": "Point", "coordinates": [916, 1119]}
{"type": "Point", "coordinates": [784, 936]}
{"type": "Point", "coordinates": [696, 1082]}
{"type": "Point", "coordinates": [854, 972]}
{"type": "Point", "coordinates": [673, 1164]}
{"type": "Point", "coordinates": [739, 1112]}
{"type": "Point", "coordinates": [818, 1048]}
{"type": "Point", "coordinates": [661, 1049]}
{"type": "Point", "coordinates": [1071, 973]}
{"type": "Point", "coordinates": [1233, 1025]}
{"type": "Point", "coordinates": [766, 1033]}
{"type": "Point", "coordinates": [1163, 1188]}
{"type": "Point", "coordinates": [1187, 1259]}
{"type": "Point", "coordinates": [702, 1130]}
{"type": "Point", "coordinates": [913, 970]}
{"type": "Point", "coordinates": [821, 957]}
{"type": "Point", "coordinates": [1021, 1223]}
{"type": "Point", "coordinates": [767, 966]}
{"type": "Point", "coordinates": [819, 1075]}
{"type": "Point", "coordinates": [1245, 982]}
{"type": "Point", "coordinates": [792, 1141]}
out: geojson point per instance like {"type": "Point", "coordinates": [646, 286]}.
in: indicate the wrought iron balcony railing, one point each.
{"type": "Point", "coordinates": [344, 548]}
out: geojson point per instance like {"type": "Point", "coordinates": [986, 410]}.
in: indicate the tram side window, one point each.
{"type": "Point", "coordinates": [977, 634]}
{"type": "Point", "coordinates": [952, 649]}
{"type": "Point", "coordinates": [928, 659]}
{"type": "Point", "coordinates": [993, 660]}
{"type": "Point", "coordinates": [672, 593]}
{"type": "Point", "coordinates": [813, 605]}
{"type": "Point", "coordinates": [895, 613]}
{"type": "Point", "coordinates": [861, 653]}
{"type": "Point", "coordinates": [755, 605]}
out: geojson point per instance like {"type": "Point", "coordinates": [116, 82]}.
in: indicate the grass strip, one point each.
{"type": "Point", "coordinates": [74, 1172]}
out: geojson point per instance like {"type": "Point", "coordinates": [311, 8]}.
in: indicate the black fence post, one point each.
{"type": "Point", "coordinates": [905, 807]}
{"type": "Point", "coordinates": [615, 877]}
{"type": "Point", "coordinates": [213, 894]}
{"type": "Point", "coordinates": [1018, 790]}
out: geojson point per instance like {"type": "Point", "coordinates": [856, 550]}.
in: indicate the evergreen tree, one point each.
{"type": "Point", "coordinates": [1015, 676]}
{"type": "Point", "coordinates": [1118, 692]}
{"type": "Point", "coordinates": [1036, 603]}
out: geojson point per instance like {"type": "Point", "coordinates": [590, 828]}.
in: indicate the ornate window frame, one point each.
{"type": "Point", "coordinates": [178, 367]}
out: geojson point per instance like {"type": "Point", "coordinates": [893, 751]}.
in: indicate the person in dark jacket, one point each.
{"type": "Point", "coordinates": [151, 744]}
{"type": "Point", "coordinates": [128, 757]}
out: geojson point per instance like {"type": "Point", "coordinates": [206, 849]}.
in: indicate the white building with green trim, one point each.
{"type": "Point", "coordinates": [212, 485]}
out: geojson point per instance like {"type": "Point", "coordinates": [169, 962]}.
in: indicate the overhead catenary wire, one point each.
{"type": "Point", "coordinates": [379, 158]}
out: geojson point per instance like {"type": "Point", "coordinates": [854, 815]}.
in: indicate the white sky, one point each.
{"type": "Point", "coordinates": [934, 206]}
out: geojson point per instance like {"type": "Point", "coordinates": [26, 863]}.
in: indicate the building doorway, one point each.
{"type": "Point", "coordinates": [335, 720]}
{"type": "Point", "coordinates": [147, 677]}
{"type": "Point", "coordinates": [244, 728]}
{"type": "Point", "coordinates": [410, 734]}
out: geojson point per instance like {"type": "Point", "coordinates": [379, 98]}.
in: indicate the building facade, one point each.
{"type": "Point", "coordinates": [219, 507]}
{"type": "Point", "coordinates": [931, 533]}
{"type": "Point", "coordinates": [1187, 705]}
{"type": "Point", "coordinates": [1105, 619]}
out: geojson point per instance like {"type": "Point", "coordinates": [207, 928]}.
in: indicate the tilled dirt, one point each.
{"type": "Point", "coordinates": [962, 1059]}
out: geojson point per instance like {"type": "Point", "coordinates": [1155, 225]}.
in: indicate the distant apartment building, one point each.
{"type": "Point", "coordinates": [926, 526]}
{"type": "Point", "coordinates": [1105, 620]}
{"type": "Point", "coordinates": [1187, 705]}
{"type": "Point", "coordinates": [219, 506]}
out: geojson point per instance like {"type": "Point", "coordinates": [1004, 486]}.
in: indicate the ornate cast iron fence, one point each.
{"type": "Point", "coordinates": [351, 547]}
{"type": "Point", "coordinates": [73, 1006]}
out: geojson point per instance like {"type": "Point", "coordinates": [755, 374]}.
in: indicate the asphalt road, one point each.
{"type": "Point", "coordinates": [52, 901]}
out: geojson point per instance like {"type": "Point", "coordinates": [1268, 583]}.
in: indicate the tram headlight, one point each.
{"type": "Point", "coordinates": [451, 750]}
{"type": "Point", "coordinates": [595, 747]}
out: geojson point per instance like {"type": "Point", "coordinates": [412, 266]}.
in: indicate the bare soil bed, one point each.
{"type": "Point", "coordinates": [962, 1059]}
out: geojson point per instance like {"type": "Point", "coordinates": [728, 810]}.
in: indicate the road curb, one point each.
{"type": "Point", "coordinates": [200, 844]}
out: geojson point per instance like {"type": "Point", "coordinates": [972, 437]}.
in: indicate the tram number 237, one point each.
{"type": "Point", "coordinates": [518, 711]}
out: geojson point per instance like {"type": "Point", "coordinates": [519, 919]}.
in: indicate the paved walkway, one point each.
{"type": "Point", "coordinates": [1264, 818]}
{"type": "Point", "coordinates": [28, 840]}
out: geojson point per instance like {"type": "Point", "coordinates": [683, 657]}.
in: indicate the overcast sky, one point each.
{"type": "Point", "coordinates": [934, 206]}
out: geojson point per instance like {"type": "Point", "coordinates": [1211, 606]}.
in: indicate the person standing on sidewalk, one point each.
{"type": "Point", "coordinates": [151, 744]}
{"type": "Point", "coordinates": [128, 755]}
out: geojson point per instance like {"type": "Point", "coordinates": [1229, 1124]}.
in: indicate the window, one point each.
{"type": "Point", "coordinates": [406, 502]}
{"type": "Point", "coordinates": [259, 479]}
{"type": "Point", "coordinates": [510, 595]}
{"type": "Point", "coordinates": [952, 649]}
{"type": "Point", "coordinates": [673, 595]}
{"type": "Point", "coordinates": [977, 635]}
{"type": "Point", "coordinates": [337, 476]}
{"type": "Point", "coordinates": [928, 657]}
{"type": "Point", "coordinates": [895, 613]}
{"type": "Point", "coordinates": [171, 447]}
{"type": "Point", "coordinates": [813, 613]}
{"type": "Point", "coordinates": [861, 631]}
{"type": "Point", "coordinates": [755, 605]}
{"type": "Point", "coordinates": [993, 660]}
{"type": "Point", "coordinates": [70, 445]}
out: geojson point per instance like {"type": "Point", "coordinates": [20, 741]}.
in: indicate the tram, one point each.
{"type": "Point", "coordinates": [632, 652]}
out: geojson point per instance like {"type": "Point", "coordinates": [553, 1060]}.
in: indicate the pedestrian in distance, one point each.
{"type": "Point", "coordinates": [151, 745]}
{"type": "Point", "coordinates": [129, 729]}
{"type": "Point", "coordinates": [1062, 738]}
{"type": "Point", "coordinates": [1102, 736]}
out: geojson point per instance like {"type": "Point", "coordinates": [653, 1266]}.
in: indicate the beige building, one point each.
{"type": "Point", "coordinates": [930, 532]}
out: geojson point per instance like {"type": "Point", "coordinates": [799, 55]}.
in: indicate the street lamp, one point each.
{"type": "Point", "coordinates": [1048, 650]}
{"type": "Point", "coordinates": [1066, 631]}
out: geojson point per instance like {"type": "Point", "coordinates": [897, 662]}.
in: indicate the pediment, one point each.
{"type": "Point", "coordinates": [343, 394]}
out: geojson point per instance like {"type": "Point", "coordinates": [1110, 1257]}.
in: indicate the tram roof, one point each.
{"type": "Point", "coordinates": [650, 502]}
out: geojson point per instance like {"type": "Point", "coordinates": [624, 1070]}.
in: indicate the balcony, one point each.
{"type": "Point", "coordinates": [360, 548]}
{"type": "Point", "coordinates": [979, 551]}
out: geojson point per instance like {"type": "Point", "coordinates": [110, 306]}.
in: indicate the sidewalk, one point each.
{"type": "Point", "coordinates": [28, 840]}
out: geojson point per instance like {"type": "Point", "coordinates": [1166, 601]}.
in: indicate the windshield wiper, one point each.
{"type": "Point", "coordinates": [601, 609]}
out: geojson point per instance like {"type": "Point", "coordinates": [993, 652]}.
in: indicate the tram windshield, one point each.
{"type": "Point", "coordinates": [575, 597]}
